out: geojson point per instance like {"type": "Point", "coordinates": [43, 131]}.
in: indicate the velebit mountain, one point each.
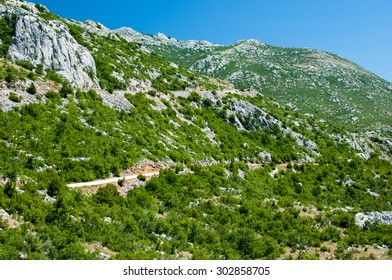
{"type": "Point", "coordinates": [323, 84]}
{"type": "Point", "coordinates": [186, 149]}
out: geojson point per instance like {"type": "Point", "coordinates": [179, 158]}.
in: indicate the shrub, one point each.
{"type": "Point", "coordinates": [25, 7]}
{"type": "Point", "coordinates": [152, 93]}
{"type": "Point", "coordinates": [51, 74]}
{"type": "Point", "coordinates": [7, 29]}
{"type": "Point", "coordinates": [32, 76]}
{"type": "Point", "coordinates": [40, 8]}
{"type": "Point", "coordinates": [10, 77]}
{"type": "Point", "coordinates": [324, 249]}
{"type": "Point", "coordinates": [31, 89]}
{"type": "Point", "coordinates": [77, 32]}
{"type": "Point", "coordinates": [40, 69]}
{"type": "Point", "coordinates": [141, 177]}
{"type": "Point", "coordinates": [13, 97]}
{"type": "Point", "coordinates": [66, 89]}
{"type": "Point", "coordinates": [121, 182]}
{"type": "Point", "coordinates": [25, 64]}
{"type": "Point", "coordinates": [52, 94]}
{"type": "Point", "coordinates": [194, 96]}
{"type": "Point", "coordinates": [178, 168]}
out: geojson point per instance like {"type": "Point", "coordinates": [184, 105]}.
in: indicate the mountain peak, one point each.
{"type": "Point", "coordinates": [252, 42]}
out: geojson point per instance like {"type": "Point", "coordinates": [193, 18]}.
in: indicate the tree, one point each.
{"type": "Point", "coordinates": [120, 182]}
{"type": "Point", "coordinates": [54, 183]}
{"type": "Point", "coordinates": [9, 188]}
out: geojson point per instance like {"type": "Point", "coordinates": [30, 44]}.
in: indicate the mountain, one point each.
{"type": "Point", "coordinates": [312, 81]}
{"type": "Point", "coordinates": [171, 164]}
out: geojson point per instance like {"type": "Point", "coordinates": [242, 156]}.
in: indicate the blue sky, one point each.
{"type": "Point", "coordinates": [359, 30]}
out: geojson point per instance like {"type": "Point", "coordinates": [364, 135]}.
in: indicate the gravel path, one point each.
{"type": "Point", "coordinates": [110, 180]}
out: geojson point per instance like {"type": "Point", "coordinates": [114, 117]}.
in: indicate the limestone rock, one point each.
{"type": "Point", "coordinates": [265, 156]}
{"type": "Point", "coordinates": [49, 43]}
{"type": "Point", "coordinates": [384, 218]}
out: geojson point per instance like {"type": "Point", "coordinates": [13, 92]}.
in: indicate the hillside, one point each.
{"type": "Point", "coordinates": [312, 81]}
{"type": "Point", "coordinates": [241, 176]}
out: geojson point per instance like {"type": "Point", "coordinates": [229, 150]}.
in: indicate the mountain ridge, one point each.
{"type": "Point", "coordinates": [318, 82]}
{"type": "Point", "coordinates": [237, 174]}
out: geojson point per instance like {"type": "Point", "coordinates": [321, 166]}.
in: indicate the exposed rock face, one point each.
{"type": "Point", "coordinates": [384, 218]}
{"type": "Point", "coordinates": [50, 44]}
{"type": "Point", "coordinates": [161, 40]}
{"type": "Point", "coordinates": [367, 143]}
{"type": "Point", "coordinates": [248, 116]}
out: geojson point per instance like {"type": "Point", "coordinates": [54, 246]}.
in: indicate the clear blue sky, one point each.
{"type": "Point", "coordinates": [359, 30]}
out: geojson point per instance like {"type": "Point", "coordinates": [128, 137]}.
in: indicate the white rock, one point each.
{"type": "Point", "coordinates": [49, 43]}
{"type": "Point", "coordinates": [107, 220]}
{"type": "Point", "coordinates": [4, 214]}
{"type": "Point", "coordinates": [384, 218]}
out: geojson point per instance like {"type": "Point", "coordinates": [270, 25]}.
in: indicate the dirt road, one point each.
{"type": "Point", "coordinates": [110, 180]}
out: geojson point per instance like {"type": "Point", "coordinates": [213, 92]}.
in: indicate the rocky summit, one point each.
{"type": "Point", "coordinates": [121, 145]}
{"type": "Point", "coordinates": [48, 43]}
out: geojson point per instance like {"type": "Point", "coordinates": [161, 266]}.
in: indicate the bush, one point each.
{"type": "Point", "coordinates": [32, 76]}
{"type": "Point", "coordinates": [390, 252]}
{"type": "Point", "coordinates": [13, 97]}
{"type": "Point", "coordinates": [324, 249]}
{"type": "Point", "coordinates": [178, 168]}
{"type": "Point", "coordinates": [152, 93]}
{"type": "Point", "coordinates": [25, 64]}
{"type": "Point", "coordinates": [121, 182]}
{"type": "Point", "coordinates": [141, 177]}
{"type": "Point", "coordinates": [31, 89]}
{"type": "Point", "coordinates": [40, 69]}
{"type": "Point", "coordinates": [194, 96]}
{"type": "Point", "coordinates": [51, 74]}
{"type": "Point", "coordinates": [40, 8]}
{"type": "Point", "coordinates": [10, 76]}
{"type": "Point", "coordinates": [52, 95]}
{"type": "Point", "coordinates": [7, 29]}
{"type": "Point", "coordinates": [25, 7]}
{"type": "Point", "coordinates": [66, 89]}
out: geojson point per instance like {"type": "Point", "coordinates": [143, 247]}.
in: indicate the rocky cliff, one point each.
{"type": "Point", "coordinates": [49, 43]}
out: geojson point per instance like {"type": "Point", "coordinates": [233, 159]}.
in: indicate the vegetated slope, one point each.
{"type": "Point", "coordinates": [323, 84]}
{"type": "Point", "coordinates": [311, 182]}
{"type": "Point", "coordinates": [85, 54]}
{"type": "Point", "coordinates": [220, 211]}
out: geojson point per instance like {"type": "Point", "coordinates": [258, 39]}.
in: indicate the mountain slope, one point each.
{"type": "Point", "coordinates": [239, 175]}
{"type": "Point", "coordinates": [323, 84]}
{"type": "Point", "coordinates": [84, 55]}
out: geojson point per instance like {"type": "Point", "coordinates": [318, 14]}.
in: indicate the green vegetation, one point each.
{"type": "Point", "coordinates": [211, 213]}
{"type": "Point", "coordinates": [319, 83]}
{"type": "Point", "coordinates": [45, 14]}
{"type": "Point", "coordinates": [7, 29]}
{"type": "Point", "coordinates": [205, 214]}
{"type": "Point", "coordinates": [31, 89]}
{"type": "Point", "coordinates": [14, 97]}
{"type": "Point", "coordinates": [11, 73]}
{"type": "Point", "coordinates": [114, 140]}
{"type": "Point", "coordinates": [249, 177]}
{"type": "Point", "coordinates": [25, 64]}
{"type": "Point", "coordinates": [51, 74]}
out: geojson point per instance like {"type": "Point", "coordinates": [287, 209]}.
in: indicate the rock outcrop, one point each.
{"type": "Point", "coordinates": [49, 43]}
{"type": "Point", "coordinates": [384, 218]}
